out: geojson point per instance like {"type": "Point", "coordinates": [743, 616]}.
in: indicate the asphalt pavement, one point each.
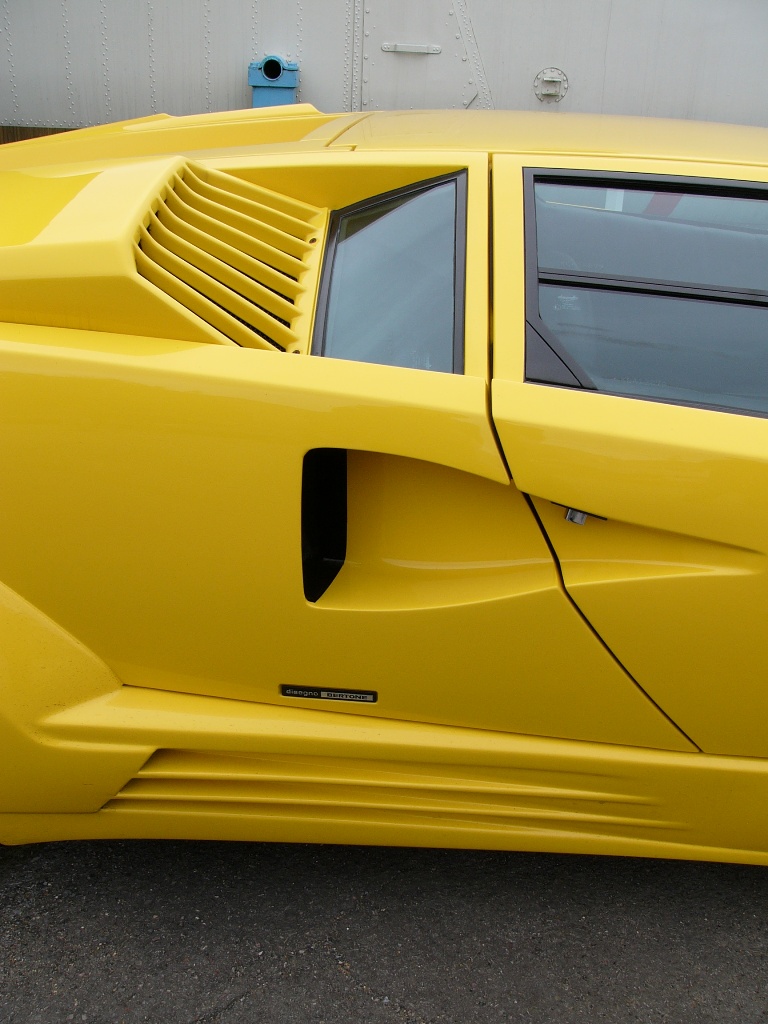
{"type": "Point", "coordinates": [236, 933]}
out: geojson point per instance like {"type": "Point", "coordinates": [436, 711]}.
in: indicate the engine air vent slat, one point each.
{"type": "Point", "coordinates": [280, 240]}
{"type": "Point", "coordinates": [234, 255]}
{"type": "Point", "coordinates": [230, 327]}
{"type": "Point", "coordinates": [285, 204]}
{"type": "Point", "coordinates": [246, 312]}
{"type": "Point", "coordinates": [279, 283]}
{"type": "Point", "coordinates": [240, 284]}
{"type": "Point", "coordinates": [280, 262]}
{"type": "Point", "coordinates": [280, 221]}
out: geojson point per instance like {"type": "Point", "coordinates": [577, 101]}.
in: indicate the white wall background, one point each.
{"type": "Point", "coordinates": [65, 63]}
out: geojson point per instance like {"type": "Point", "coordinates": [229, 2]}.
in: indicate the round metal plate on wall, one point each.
{"type": "Point", "coordinates": [550, 85]}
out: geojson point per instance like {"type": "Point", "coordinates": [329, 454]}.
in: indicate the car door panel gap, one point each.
{"type": "Point", "coordinates": [592, 629]}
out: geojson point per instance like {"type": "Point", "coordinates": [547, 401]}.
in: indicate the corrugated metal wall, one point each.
{"type": "Point", "coordinates": [68, 63]}
{"type": "Point", "coordinates": [670, 58]}
{"type": "Point", "coordinates": [65, 63]}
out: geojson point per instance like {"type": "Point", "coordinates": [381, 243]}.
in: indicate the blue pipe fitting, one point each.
{"type": "Point", "coordinates": [274, 81]}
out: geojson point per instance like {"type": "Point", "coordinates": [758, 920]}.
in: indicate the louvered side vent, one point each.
{"type": "Point", "coordinates": [466, 797]}
{"type": "Point", "coordinates": [241, 258]}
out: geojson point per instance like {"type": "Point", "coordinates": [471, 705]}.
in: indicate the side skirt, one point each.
{"type": "Point", "coordinates": [224, 769]}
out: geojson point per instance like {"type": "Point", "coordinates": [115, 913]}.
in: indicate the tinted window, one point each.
{"type": "Point", "coordinates": [393, 288]}
{"type": "Point", "coordinates": [658, 346]}
{"type": "Point", "coordinates": [652, 292]}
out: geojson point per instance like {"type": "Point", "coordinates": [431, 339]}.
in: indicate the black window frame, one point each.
{"type": "Point", "coordinates": [459, 177]}
{"type": "Point", "coordinates": [546, 361]}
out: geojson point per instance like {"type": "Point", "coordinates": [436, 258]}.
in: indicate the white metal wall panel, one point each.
{"type": "Point", "coordinates": [129, 72]}
{"type": "Point", "coordinates": [701, 59]}
{"type": "Point", "coordinates": [76, 62]}
{"type": "Point", "coordinates": [419, 55]}
{"type": "Point", "coordinates": [667, 58]}
{"type": "Point", "coordinates": [66, 63]}
{"type": "Point", "coordinates": [38, 64]}
{"type": "Point", "coordinates": [319, 35]}
{"type": "Point", "coordinates": [170, 56]}
{"type": "Point", "coordinates": [203, 50]}
{"type": "Point", "coordinates": [518, 40]}
{"type": "Point", "coordinates": [73, 62]}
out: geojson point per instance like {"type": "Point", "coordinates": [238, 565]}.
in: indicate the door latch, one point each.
{"type": "Point", "coordinates": [576, 516]}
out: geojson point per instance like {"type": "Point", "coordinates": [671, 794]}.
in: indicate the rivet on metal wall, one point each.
{"type": "Point", "coordinates": [68, 62]}
{"type": "Point", "coordinates": [11, 65]}
{"type": "Point", "coordinates": [299, 41]}
{"type": "Point", "coordinates": [105, 62]}
{"type": "Point", "coordinates": [151, 59]}
{"type": "Point", "coordinates": [347, 74]}
{"type": "Point", "coordinates": [207, 56]}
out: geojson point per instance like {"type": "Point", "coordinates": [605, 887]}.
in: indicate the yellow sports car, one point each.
{"type": "Point", "coordinates": [395, 478]}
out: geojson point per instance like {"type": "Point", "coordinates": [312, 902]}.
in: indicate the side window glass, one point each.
{"type": "Point", "coordinates": [393, 282]}
{"type": "Point", "coordinates": [649, 290]}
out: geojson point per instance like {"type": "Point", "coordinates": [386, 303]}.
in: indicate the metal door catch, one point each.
{"type": "Point", "coordinates": [410, 48]}
{"type": "Point", "coordinates": [576, 516]}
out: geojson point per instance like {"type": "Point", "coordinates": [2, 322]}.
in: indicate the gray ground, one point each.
{"type": "Point", "coordinates": [217, 933]}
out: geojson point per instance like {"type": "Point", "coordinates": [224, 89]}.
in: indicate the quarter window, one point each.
{"type": "Point", "coordinates": [649, 289]}
{"type": "Point", "coordinates": [393, 282]}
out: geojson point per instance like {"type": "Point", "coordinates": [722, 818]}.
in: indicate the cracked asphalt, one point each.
{"type": "Point", "coordinates": [236, 933]}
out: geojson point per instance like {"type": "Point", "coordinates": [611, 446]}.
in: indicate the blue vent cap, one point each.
{"type": "Point", "coordinates": [273, 73]}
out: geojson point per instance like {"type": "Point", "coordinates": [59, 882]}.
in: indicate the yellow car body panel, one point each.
{"type": "Point", "coordinates": [225, 769]}
{"type": "Point", "coordinates": [182, 570]}
{"type": "Point", "coordinates": [671, 567]}
{"type": "Point", "coordinates": [678, 546]}
{"type": "Point", "coordinates": [477, 671]}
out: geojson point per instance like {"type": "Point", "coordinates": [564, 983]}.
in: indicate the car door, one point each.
{"type": "Point", "coordinates": [631, 403]}
{"type": "Point", "coordinates": [333, 531]}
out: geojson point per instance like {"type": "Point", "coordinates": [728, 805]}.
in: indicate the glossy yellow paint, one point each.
{"type": "Point", "coordinates": [167, 494]}
{"type": "Point", "coordinates": [151, 598]}
{"type": "Point", "coordinates": [28, 202]}
{"type": "Point", "coordinates": [44, 671]}
{"type": "Point", "coordinates": [107, 283]}
{"type": "Point", "coordinates": [233, 770]}
{"type": "Point", "coordinates": [676, 579]}
{"type": "Point", "coordinates": [544, 140]}
{"type": "Point", "coordinates": [164, 135]}
{"type": "Point", "coordinates": [335, 180]}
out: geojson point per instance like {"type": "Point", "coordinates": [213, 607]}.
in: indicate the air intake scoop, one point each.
{"type": "Point", "coordinates": [168, 248]}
